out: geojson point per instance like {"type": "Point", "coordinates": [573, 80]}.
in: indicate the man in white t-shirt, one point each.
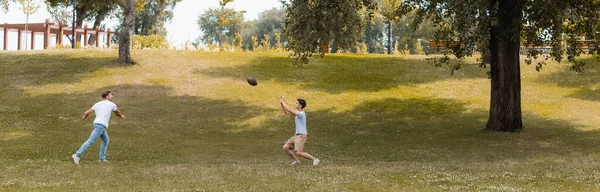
{"type": "Point", "coordinates": [103, 109]}
{"type": "Point", "coordinates": [296, 143]}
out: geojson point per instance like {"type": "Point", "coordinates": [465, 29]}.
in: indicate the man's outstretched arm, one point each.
{"type": "Point", "coordinates": [88, 112]}
{"type": "Point", "coordinates": [286, 109]}
{"type": "Point", "coordinates": [118, 113]}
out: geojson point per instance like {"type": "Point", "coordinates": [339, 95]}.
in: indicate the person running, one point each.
{"type": "Point", "coordinates": [296, 143]}
{"type": "Point", "coordinates": [103, 110]}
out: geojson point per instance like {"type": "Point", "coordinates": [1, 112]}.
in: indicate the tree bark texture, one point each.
{"type": "Point", "coordinates": [126, 34]}
{"type": "Point", "coordinates": [505, 101]}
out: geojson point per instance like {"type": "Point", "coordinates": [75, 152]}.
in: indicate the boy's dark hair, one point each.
{"type": "Point", "coordinates": [105, 94]}
{"type": "Point", "coordinates": [302, 102]}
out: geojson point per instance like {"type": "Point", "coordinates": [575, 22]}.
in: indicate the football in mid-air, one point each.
{"type": "Point", "coordinates": [252, 81]}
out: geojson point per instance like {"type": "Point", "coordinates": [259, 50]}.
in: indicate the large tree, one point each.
{"type": "Point", "coordinates": [500, 25]}
{"type": "Point", "coordinates": [311, 25]}
{"type": "Point", "coordinates": [220, 24]}
{"type": "Point", "coordinates": [408, 35]}
{"type": "Point", "coordinates": [152, 15]}
{"type": "Point", "coordinates": [374, 31]}
{"type": "Point", "coordinates": [269, 22]}
{"type": "Point", "coordinates": [86, 10]}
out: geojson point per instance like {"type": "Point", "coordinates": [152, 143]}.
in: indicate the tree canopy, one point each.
{"type": "Point", "coordinates": [150, 18]}
{"type": "Point", "coordinates": [500, 26]}
{"type": "Point", "coordinates": [311, 25]}
{"type": "Point", "coordinates": [216, 20]}
{"type": "Point", "coordinates": [270, 22]}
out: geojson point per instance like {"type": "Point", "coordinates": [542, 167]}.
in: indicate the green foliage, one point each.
{"type": "Point", "coordinates": [378, 123]}
{"type": "Point", "coordinates": [553, 21]}
{"type": "Point", "coordinates": [373, 35]}
{"type": "Point", "coordinates": [214, 21]}
{"type": "Point", "coordinates": [406, 50]}
{"type": "Point", "coordinates": [269, 22]}
{"type": "Point", "coordinates": [406, 31]}
{"type": "Point", "coordinates": [418, 48]}
{"type": "Point", "coordinates": [29, 6]}
{"type": "Point", "coordinates": [4, 4]}
{"type": "Point", "coordinates": [87, 9]}
{"type": "Point", "coordinates": [151, 19]}
{"type": "Point", "coordinates": [362, 48]}
{"type": "Point", "coordinates": [150, 42]}
{"type": "Point", "coordinates": [499, 27]}
{"type": "Point", "coordinates": [266, 43]}
{"type": "Point", "coordinates": [237, 42]}
{"type": "Point", "coordinates": [60, 13]}
{"type": "Point", "coordinates": [254, 43]}
{"type": "Point", "coordinates": [278, 44]}
{"type": "Point", "coordinates": [313, 24]}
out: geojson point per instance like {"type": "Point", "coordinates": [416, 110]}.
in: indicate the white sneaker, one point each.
{"type": "Point", "coordinates": [104, 161]}
{"type": "Point", "coordinates": [316, 162]}
{"type": "Point", "coordinates": [295, 163]}
{"type": "Point", "coordinates": [75, 159]}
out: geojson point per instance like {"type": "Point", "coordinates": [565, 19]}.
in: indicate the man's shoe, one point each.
{"type": "Point", "coordinates": [295, 163]}
{"type": "Point", "coordinates": [104, 161]}
{"type": "Point", "coordinates": [75, 159]}
{"type": "Point", "coordinates": [316, 162]}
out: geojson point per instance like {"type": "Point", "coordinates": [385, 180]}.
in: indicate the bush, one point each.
{"type": "Point", "coordinates": [419, 48]}
{"type": "Point", "coordinates": [150, 42]}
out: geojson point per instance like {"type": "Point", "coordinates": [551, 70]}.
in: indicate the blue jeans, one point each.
{"type": "Point", "coordinates": [99, 131]}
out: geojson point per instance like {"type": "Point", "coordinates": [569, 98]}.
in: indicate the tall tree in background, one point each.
{"type": "Point", "coordinates": [390, 11]}
{"type": "Point", "coordinates": [408, 33]}
{"type": "Point", "coordinates": [220, 24]}
{"type": "Point", "coordinates": [269, 22]}
{"type": "Point", "coordinates": [59, 13]}
{"type": "Point", "coordinates": [374, 31]}
{"type": "Point", "coordinates": [28, 7]}
{"type": "Point", "coordinates": [312, 24]}
{"type": "Point", "coordinates": [127, 33]}
{"type": "Point", "coordinates": [93, 10]}
{"type": "Point", "coordinates": [223, 20]}
{"type": "Point", "coordinates": [500, 25]}
{"type": "Point", "coordinates": [152, 15]}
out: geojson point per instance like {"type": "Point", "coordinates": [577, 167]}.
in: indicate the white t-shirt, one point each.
{"type": "Point", "coordinates": [103, 110]}
{"type": "Point", "coordinates": [301, 123]}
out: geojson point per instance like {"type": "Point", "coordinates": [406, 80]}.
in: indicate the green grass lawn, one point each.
{"type": "Point", "coordinates": [377, 122]}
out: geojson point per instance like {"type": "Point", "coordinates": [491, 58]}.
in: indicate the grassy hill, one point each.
{"type": "Point", "coordinates": [378, 123]}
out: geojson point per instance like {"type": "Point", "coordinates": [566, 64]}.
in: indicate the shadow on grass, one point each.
{"type": "Point", "coordinates": [585, 83]}
{"type": "Point", "coordinates": [52, 67]}
{"type": "Point", "coordinates": [183, 129]}
{"type": "Point", "coordinates": [159, 126]}
{"type": "Point", "coordinates": [340, 73]}
{"type": "Point", "coordinates": [162, 127]}
{"type": "Point", "coordinates": [436, 130]}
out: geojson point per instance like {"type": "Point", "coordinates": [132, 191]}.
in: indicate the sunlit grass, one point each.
{"type": "Point", "coordinates": [377, 122]}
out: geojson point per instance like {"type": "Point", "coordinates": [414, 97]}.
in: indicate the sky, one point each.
{"type": "Point", "coordinates": [183, 26]}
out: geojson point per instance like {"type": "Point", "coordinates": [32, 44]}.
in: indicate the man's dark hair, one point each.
{"type": "Point", "coordinates": [302, 102]}
{"type": "Point", "coordinates": [105, 94]}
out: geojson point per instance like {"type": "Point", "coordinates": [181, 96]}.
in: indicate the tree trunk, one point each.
{"type": "Point", "coordinates": [390, 41]}
{"type": "Point", "coordinates": [485, 58]}
{"type": "Point", "coordinates": [324, 47]}
{"type": "Point", "coordinates": [221, 39]}
{"type": "Point", "coordinates": [126, 34]}
{"type": "Point", "coordinates": [82, 13]}
{"type": "Point", "coordinates": [99, 18]}
{"type": "Point", "coordinates": [505, 102]}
